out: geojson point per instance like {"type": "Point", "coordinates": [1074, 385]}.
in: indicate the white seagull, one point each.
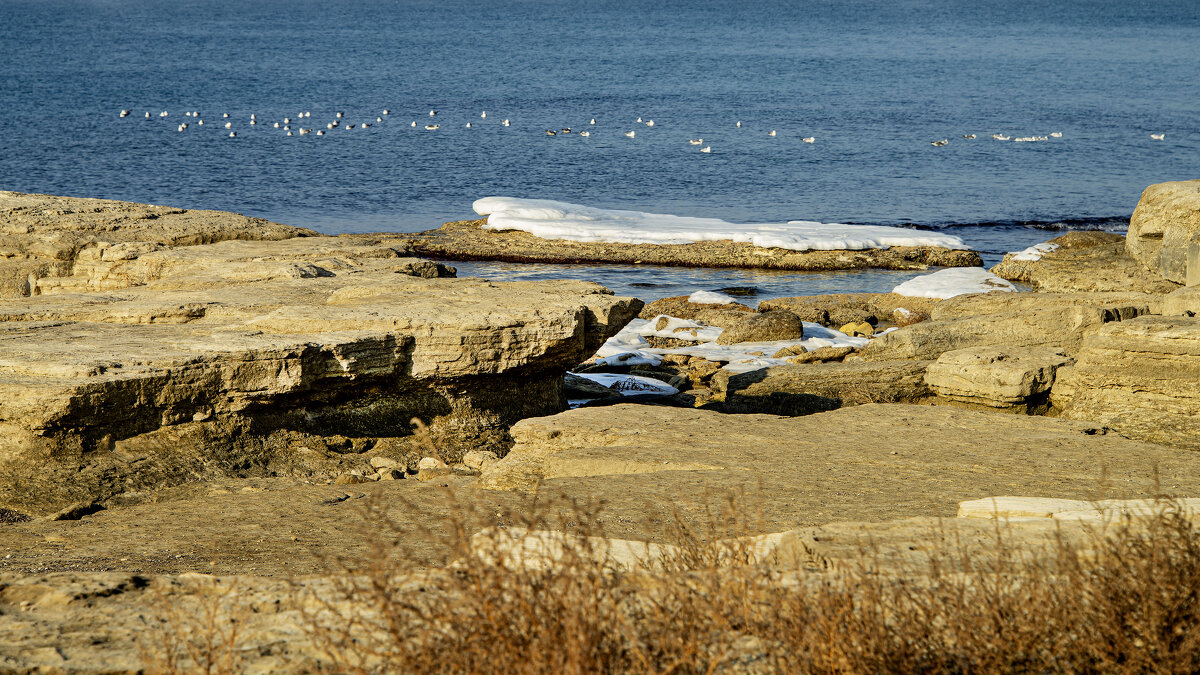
{"type": "Point", "coordinates": [631, 134]}
{"type": "Point", "coordinates": [1158, 137]}
{"type": "Point", "coordinates": [696, 141]}
{"type": "Point", "coordinates": [771, 132]}
{"type": "Point", "coordinates": [810, 139]}
{"type": "Point", "coordinates": [707, 148]}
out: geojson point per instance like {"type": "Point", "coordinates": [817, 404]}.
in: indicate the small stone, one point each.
{"type": "Point", "coordinates": [478, 459]}
{"type": "Point", "coordinates": [463, 470]}
{"type": "Point", "coordinates": [391, 474]}
{"type": "Point", "coordinates": [348, 479]}
{"type": "Point", "coordinates": [385, 462]}
{"type": "Point", "coordinates": [794, 350]}
{"type": "Point", "coordinates": [430, 468]}
{"type": "Point", "coordinates": [906, 317]}
{"type": "Point", "coordinates": [860, 329]}
{"type": "Point", "coordinates": [822, 355]}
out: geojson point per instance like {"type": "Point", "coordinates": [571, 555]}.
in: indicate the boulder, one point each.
{"type": "Point", "coordinates": [1082, 261]}
{"type": "Point", "coordinates": [1140, 377]}
{"type": "Point", "coordinates": [767, 326]}
{"type": "Point", "coordinates": [843, 308]}
{"type": "Point", "coordinates": [1164, 232]}
{"type": "Point", "coordinates": [679, 307]}
{"type": "Point", "coordinates": [1057, 320]}
{"type": "Point", "coordinates": [815, 387]}
{"type": "Point", "coordinates": [1182, 302]}
{"type": "Point", "coordinates": [1012, 378]}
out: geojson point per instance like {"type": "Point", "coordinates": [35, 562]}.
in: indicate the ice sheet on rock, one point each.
{"type": "Point", "coordinates": [629, 347]}
{"type": "Point", "coordinates": [948, 283]}
{"type": "Point", "coordinates": [710, 298]}
{"type": "Point", "coordinates": [631, 385]}
{"type": "Point", "coordinates": [1036, 251]}
{"type": "Point", "coordinates": [560, 220]}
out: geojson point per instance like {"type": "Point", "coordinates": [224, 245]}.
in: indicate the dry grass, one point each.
{"type": "Point", "coordinates": [1123, 601]}
{"type": "Point", "coordinates": [202, 630]}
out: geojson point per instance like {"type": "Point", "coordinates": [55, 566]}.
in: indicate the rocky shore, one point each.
{"type": "Point", "coordinates": [191, 392]}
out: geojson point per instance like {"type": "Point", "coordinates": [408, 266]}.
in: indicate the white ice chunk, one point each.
{"type": "Point", "coordinates": [636, 357]}
{"type": "Point", "coordinates": [631, 385]}
{"type": "Point", "coordinates": [710, 298]}
{"type": "Point", "coordinates": [1036, 251]}
{"type": "Point", "coordinates": [948, 283]}
{"type": "Point", "coordinates": [560, 220]}
{"type": "Point", "coordinates": [629, 347]}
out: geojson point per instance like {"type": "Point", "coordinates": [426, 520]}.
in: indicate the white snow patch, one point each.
{"type": "Point", "coordinates": [954, 281]}
{"type": "Point", "coordinates": [550, 219]}
{"type": "Point", "coordinates": [710, 298]}
{"type": "Point", "coordinates": [631, 385]}
{"type": "Point", "coordinates": [1036, 251]}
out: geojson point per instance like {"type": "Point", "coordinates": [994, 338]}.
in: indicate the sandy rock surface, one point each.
{"type": "Point", "coordinates": [865, 462]}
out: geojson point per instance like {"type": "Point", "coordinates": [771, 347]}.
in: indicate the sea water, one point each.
{"type": "Point", "coordinates": [873, 83]}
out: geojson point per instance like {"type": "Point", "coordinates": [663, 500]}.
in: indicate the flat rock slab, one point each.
{"type": "Point", "coordinates": [870, 462]}
{"type": "Point", "coordinates": [803, 389]}
{"type": "Point", "coordinates": [1084, 262]}
{"type": "Point", "coordinates": [998, 377]}
{"type": "Point", "coordinates": [466, 240]}
{"type": "Point", "coordinates": [1142, 378]}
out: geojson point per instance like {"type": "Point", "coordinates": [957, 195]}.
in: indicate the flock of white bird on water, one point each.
{"type": "Point", "coordinates": [300, 120]}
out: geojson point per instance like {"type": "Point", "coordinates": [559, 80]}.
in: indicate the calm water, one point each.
{"type": "Point", "coordinates": [873, 81]}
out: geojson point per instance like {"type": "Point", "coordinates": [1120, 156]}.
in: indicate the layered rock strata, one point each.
{"type": "Point", "coordinates": [1015, 379]}
{"type": "Point", "coordinates": [466, 240]}
{"type": "Point", "coordinates": [1057, 320]}
{"type": "Point", "coordinates": [1142, 378]}
{"type": "Point", "coordinates": [132, 372]}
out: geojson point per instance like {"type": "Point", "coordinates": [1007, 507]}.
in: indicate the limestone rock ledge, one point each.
{"type": "Point", "coordinates": [293, 356]}
{"type": "Point", "coordinates": [43, 236]}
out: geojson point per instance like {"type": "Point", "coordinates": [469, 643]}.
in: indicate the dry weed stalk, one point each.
{"type": "Point", "coordinates": [200, 631]}
{"type": "Point", "coordinates": [1123, 600]}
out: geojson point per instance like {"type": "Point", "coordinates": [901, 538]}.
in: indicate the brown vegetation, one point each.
{"type": "Point", "coordinates": [1125, 600]}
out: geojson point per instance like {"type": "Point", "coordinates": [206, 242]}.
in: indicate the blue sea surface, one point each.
{"type": "Point", "coordinates": [873, 82]}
